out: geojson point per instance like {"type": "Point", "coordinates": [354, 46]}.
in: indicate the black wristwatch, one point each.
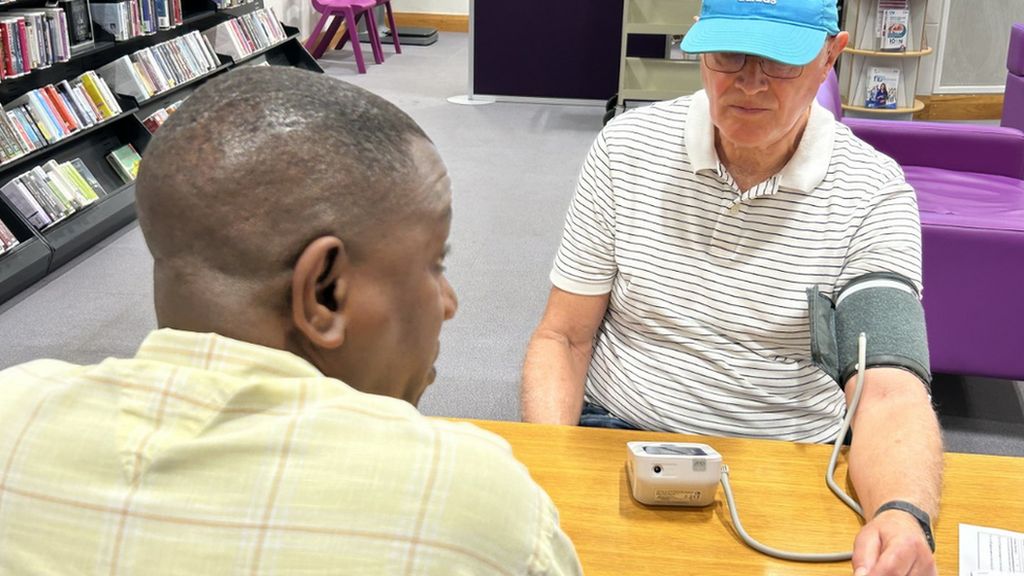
{"type": "Point", "coordinates": [920, 515]}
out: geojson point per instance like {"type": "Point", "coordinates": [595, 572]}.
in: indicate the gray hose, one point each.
{"type": "Point", "coordinates": [862, 344]}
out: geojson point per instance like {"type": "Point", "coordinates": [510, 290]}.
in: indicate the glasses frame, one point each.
{"type": "Point", "coordinates": [761, 63]}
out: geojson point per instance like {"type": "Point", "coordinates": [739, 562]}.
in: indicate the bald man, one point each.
{"type": "Point", "coordinates": [298, 227]}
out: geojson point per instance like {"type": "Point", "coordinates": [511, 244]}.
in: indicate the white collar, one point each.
{"type": "Point", "coordinates": [804, 171]}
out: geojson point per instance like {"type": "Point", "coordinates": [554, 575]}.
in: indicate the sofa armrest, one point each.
{"type": "Point", "coordinates": [957, 147]}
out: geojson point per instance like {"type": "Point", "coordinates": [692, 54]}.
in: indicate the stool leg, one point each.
{"type": "Point", "coordinates": [353, 35]}
{"type": "Point", "coordinates": [374, 34]}
{"type": "Point", "coordinates": [391, 26]}
{"type": "Point", "coordinates": [311, 43]}
{"type": "Point", "coordinates": [325, 41]}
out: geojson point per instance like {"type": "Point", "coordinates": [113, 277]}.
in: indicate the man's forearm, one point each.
{"type": "Point", "coordinates": [897, 446]}
{"type": "Point", "coordinates": [553, 376]}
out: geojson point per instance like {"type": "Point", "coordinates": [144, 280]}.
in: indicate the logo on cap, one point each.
{"type": "Point", "coordinates": [759, 1]}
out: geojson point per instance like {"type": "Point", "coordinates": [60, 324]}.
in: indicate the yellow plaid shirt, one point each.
{"type": "Point", "coordinates": [206, 455]}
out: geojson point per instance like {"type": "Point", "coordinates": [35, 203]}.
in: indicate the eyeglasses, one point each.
{"type": "Point", "coordinates": [733, 62]}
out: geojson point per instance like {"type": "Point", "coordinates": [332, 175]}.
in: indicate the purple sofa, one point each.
{"type": "Point", "coordinates": [970, 188]}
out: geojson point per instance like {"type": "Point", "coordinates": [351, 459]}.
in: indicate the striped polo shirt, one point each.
{"type": "Point", "coordinates": [707, 327]}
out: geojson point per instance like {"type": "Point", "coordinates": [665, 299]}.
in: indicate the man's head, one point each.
{"type": "Point", "coordinates": [299, 212]}
{"type": "Point", "coordinates": [763, 62]}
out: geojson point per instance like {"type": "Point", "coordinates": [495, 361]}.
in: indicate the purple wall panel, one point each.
{"type": "Point", "coordinates": [547, 49]}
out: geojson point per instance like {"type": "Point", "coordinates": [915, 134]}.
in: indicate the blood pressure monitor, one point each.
{"type": "Point", "coordinates": [673, 473]}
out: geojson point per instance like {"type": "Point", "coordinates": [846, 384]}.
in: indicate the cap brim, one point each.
{"type": "Point", "coordinates": [786, 43]}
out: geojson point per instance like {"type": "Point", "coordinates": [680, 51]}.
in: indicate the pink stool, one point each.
{"type": "Point", "coordinates": [350, 12]}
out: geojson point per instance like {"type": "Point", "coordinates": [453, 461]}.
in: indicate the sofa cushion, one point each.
{"type": "Point", "coordinates": [967, 199]}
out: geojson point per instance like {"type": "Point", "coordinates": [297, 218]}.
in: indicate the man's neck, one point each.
{"type": "Point", "coordinates": [749, 166]}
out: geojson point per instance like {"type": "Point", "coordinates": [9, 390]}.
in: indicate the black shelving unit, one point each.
{"type": "Point", "coordinates": [41, 252]}
{"type": "Point", "coordinates": [89, 225]}
{"type": "Point", "coordinates": [27, 262]}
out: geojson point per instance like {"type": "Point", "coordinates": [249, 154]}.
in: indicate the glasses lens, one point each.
{"type": "Point", "coordinates": [727, 62]}
{"type": "Point", "coordinates": [777, 69]}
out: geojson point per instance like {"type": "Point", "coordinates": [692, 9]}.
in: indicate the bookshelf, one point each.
{"type": "Point", "coordinates": [866, 54]}
{"type": "Point", "coordinates": [40, 252]}
{"type": "Point", "coordinates": [645, 78]}
{"type": "Point", "coordinates": [655, 78]}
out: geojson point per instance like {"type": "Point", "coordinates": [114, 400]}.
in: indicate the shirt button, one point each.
{"type": "Point", "coordinates": [734, 208]}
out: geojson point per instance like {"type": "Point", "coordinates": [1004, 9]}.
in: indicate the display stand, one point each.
{"type": "Point", "coordinates": [865, 52]}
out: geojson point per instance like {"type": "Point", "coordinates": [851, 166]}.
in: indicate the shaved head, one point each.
{"type": "Point", "coordinates": [255, 165]}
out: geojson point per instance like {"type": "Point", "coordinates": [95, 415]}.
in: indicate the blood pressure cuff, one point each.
{"type": "Point", "coordinates": [882, 305]}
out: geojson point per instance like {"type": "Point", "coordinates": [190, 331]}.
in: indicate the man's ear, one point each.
{"type": "Point", "coordinates": [838, 45]}
{"type": "Point", "coordinates": [319, 289]}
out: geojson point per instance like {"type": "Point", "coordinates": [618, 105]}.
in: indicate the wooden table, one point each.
{"type": "Point", "coordinates": [780, 492]}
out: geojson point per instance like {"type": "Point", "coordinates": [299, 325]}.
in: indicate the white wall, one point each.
{"type": "Point", "coordinates": [431, 6]}
{"type": "Point", "coordinates": [973, 51]}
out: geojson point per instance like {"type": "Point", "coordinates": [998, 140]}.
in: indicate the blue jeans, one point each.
{"type": "Point", "coordinates": [594, 416]}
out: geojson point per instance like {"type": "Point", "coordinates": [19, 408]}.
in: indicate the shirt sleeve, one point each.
{"type": "Point", "coordinates": [556, 555]}
{"type": "Point", "coordinates": [888, 238]}
{"type": "Point", "coordinates": [585, 262]}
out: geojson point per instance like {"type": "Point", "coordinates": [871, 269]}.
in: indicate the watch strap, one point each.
{"type": "Point", "coordinates": [920, 515]}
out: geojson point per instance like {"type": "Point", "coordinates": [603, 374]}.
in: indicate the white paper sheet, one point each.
{"type": "Point", "coordinates": [990, 551]}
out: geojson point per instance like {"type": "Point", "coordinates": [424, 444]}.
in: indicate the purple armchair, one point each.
{"type": "Point", "coordinates": [1013, 97]}
{"type": "Point", "coordinates": [970, 189]}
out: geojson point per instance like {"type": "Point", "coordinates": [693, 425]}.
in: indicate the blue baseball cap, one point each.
{"type": "Point", "coordinates": [790, 31]}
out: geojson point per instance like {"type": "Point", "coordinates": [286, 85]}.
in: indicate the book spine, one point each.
{"type": "Point", "coordinates": [69, 202]}
{"type": "Point", "coordinates": [83, 170]}
{"type": "Point", "coordinates": [105, 90]}
{"type": "Point", "coordinates": [63, 114]}
{"type": "Point", "coordinates": [37, 118]}
{"type": "Point", "coordinates": [26, 204]}
{"type": "Point", "coordinates": [51, 204]}
{"type": "Point", "coordinates": [23, 40]}
{"type": "Point", "coordinates": [72, 176]}
{"type": "Point", "coordinates": [81, 118]}
{"type": "Point", "coordinates": [42, 111]}
{"type": "Point", "coordinates": [7, 238]}
{"type": "Point", "coordinates": [28, 144]}
{"type": "Point", "coordinates": [19, 121]}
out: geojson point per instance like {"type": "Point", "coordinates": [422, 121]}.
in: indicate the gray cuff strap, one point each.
{"type": "Point", "coordinates": [824, 350]}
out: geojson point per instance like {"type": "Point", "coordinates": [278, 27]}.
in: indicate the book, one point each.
{"type": "Point", "coordinates": [112, 17]}
{"type": "Point", "coordinates": [125, 161]}
{"type": "Point", "coordinates": [87, 175]}
{"type": "Point", "coordinates": [7, 238]}
{"type": "Point", "coordinates": [79, 22]}
{"type": "Point", "coordinates": [883, 87]}
{"type": "Point", "coordinates": [26, 204]}
{"type": "Point", "coordinates": [68, 187]}
{"type": "Point", "coordinates": [895, 30]}
{"type": "Point", "coordinates": [246, 34]}
{"type": "Point", "coordinates": [83, 188]}
{"type": "Point", "coordinates": [158, 68]}
{"type": "Point", "coordinates": [156, 119]}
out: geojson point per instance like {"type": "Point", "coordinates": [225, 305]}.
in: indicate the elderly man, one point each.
{"type": "Point", "coordinates": [711, 236]}
{"type": "Point", "coordinates": [298, 227]}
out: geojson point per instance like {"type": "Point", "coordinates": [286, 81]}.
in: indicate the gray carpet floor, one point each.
{"type": "Point", "coordinates": [513, 167]}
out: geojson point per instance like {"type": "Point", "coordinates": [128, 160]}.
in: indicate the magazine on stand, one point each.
{"type": "Point", "coordinates": [881, 8]}
{"type": "Point", "coordinates": [895, 30]}
{"type": "Point", "coordinates": [883, 87]}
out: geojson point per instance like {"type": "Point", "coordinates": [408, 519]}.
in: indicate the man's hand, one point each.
{"type": "Point", "coordinates": [892, 544]}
